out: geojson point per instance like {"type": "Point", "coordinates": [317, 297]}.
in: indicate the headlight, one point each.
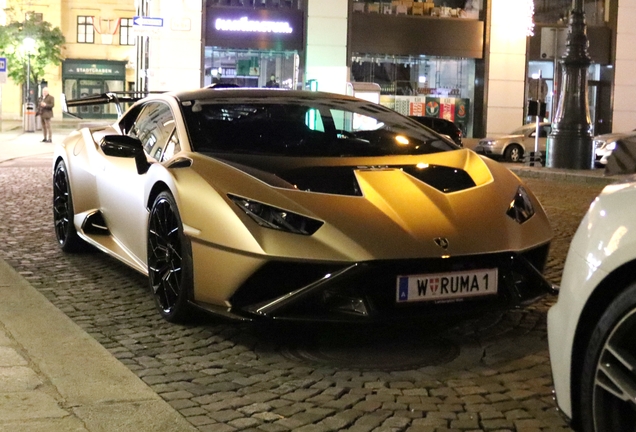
{"type": "Point", "coordinates": [276, 218]}
{"type": "Point", "coordinates": [487, 142]}
{"type": "Point", "coordinates": [598, 144]}
{"type": "Point", "coordinates": [521, 208]}
{"type": "Point", "coordinates": [611, 146]}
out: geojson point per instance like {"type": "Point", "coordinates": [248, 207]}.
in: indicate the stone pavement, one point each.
{"type": "Point", "coordinates": [42, 387]}
{"type": "Point", "coordinates": [54, 376]}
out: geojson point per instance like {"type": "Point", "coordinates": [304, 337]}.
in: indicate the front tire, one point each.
{"type": "Point", "coordinates": [63, 212]}
{"type": "Point", "coordinates": [608, 376]}
{"type": "Point", "coordinates": [513, 153]}
{"type": "Point", "coordinates": [169, 260]}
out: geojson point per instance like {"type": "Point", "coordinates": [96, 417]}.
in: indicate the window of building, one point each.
{"type": "Point", "coordinates": [85, 30]}
{"type": "Point", "coordinates": [34, 16]}
{"type": "Point", "coordinates": [558, 11]}
{"type": "Point", "coordinates": [423, 86]}
{"type": "Point", "coordinates": [126, 36]}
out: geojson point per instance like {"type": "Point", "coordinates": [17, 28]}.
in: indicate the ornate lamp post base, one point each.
{"type": "Point", "coordinates": [570, 144]}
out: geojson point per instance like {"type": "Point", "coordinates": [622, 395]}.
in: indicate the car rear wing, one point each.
{"type": "Point", "coordinates": [117, 98]}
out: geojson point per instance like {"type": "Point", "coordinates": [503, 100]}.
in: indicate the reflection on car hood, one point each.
{"type": "Point", "coordinates": [388, 213]}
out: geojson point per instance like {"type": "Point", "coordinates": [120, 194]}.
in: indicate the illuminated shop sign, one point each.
{"type": "Point", "coordinates": [253, 26]}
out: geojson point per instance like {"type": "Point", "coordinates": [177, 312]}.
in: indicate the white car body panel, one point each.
{"type": "Point", "coordinates": [605, 240]}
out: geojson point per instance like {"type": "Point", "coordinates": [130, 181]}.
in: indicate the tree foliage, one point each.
{"type": "Point", "coordinates": [47, 51]}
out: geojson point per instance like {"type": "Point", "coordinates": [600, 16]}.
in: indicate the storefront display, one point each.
{"type": "Point", "coordinates": [254, 47]}
{"type": "Point", "coordinates": [423, 86]}
{"type": "Point", "coordinates": [82, 78]}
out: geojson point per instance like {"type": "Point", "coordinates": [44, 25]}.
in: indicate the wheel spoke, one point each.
{"type": "Point", "coordinates": [617, 364]}
{"type": "Point", "coordinates": [614, 395]}
{"type": "Point", "coordinates": [614, 379]}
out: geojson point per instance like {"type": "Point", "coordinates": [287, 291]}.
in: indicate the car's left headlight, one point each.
{"type": "Point", "coordinates": [611, 146]}
{"type": "Point", "coordinates": [276, 218]}
{"type": "Point", "coordinates": [521, 208]}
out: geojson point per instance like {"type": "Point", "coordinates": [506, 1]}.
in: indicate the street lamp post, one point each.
{"type": "Point", "coordinates": [570, 144]}
{"type": "Point", "coordinates": [29, 45]}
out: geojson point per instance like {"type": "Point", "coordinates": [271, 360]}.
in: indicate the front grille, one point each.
{"type": "Point", "coordinates": [375, 283]}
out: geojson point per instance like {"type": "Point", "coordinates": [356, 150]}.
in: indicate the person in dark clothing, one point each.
{"type": "Point", "coordinates": [45, 108]}
{"type": "Point", "coordinates": [272, 82]}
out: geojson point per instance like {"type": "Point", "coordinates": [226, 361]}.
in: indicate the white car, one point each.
{"type": "Point", "coordinates": [592, 327]}
{"type": "Point", "coordinates": [605, 144]}
{"type": "Point", "coordinates": [513, 146]}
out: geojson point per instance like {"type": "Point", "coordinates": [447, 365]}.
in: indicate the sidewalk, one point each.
{"type": "Point", "coordinates": [53, 375]}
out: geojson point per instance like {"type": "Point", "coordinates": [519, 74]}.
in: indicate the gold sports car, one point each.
{"type": "Point", "coordinates": [277, 204]}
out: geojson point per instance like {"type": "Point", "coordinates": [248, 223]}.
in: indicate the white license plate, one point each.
{"type": "Point", "coordinates": [445, 286]}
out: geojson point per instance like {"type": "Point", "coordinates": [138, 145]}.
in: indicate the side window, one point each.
{"type": "Point", "coordinates": [172, 148]}
{"type": "Point", "coordinates": [352, 122]}
{"type": "Point", "coordinates": [155, 127]}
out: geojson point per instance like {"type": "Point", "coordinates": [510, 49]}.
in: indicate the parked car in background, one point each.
{"type": "Point", "coordinates": [442, 126]}
{"type": "Point", "coordinates": [605, 144]}
{"type": "Point", "coordinates": [592, 327]}
{"type": "Point", "coordinates": [513, 147]}
{"type": "Point", "coordinates": [294, 205]}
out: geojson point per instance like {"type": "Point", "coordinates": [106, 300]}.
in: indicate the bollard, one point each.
{"type": "Point", "coordinates": [29, 117]}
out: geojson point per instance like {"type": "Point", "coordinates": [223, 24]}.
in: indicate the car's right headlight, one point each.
{"type": "Point", "coordinates": [276, 218]}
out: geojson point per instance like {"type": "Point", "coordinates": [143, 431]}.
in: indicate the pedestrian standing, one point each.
{"type": "Point", "coordinates": [45, 109]}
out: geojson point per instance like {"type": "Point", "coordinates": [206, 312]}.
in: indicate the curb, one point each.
{"type": "Point", "coordinates": [72, 382]}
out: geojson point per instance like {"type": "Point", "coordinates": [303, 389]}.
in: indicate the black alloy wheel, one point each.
{"type": "Point", "coordinates": [169, 260]}
{"type": "Point", "coordinates": [608, 380]}
{"type": "Point", "coordinates": [513, 153]}
{"type": "Point", "coordinates": [63, 212]}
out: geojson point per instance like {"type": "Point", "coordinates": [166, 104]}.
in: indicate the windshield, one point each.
{"type": "Point", "coordinates": [322, 127]}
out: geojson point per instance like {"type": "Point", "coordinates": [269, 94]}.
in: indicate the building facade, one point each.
{"type": "Point", "coordinates": [470, 61]}
{"type": "Point", "coordinates": [99, 53]}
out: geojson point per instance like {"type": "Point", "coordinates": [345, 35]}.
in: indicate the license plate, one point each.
{"type": "Point", "coordinates": [446, 286]}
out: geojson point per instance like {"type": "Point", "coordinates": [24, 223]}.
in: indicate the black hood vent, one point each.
{"type": "Point", "coordinates": [442, 178]}
{"type": "Point", "coordinates": [341, 180]}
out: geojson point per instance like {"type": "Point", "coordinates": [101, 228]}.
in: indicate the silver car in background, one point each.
{"type": "Point", "coordinates": [513, 147]}
{"type": "Point", "coordinates": [605, 144]}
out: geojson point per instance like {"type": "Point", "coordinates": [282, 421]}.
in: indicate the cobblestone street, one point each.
{"type": "Point", "coordinates": [490, 374]}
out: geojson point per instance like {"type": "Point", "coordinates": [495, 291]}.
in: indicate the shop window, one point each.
{"type": "Point", "coordinates": [251, 68]}
{"type": "Point", "coordinates": [85, 30]}
{"type": "Point", "coordinates": [558, 11]}
{"type": "Point", "coordinates": [423, 86]}
{"type": "Point", "coordinates": [33, 16]}
{"type": "Point", "coordinates": [436, 8]}
{"type": "Point", "coordinates": [126, 36]}
{"type": "Point", "coordinates": [287, 4]}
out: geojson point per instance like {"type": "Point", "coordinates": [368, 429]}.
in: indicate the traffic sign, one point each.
{"type": "Point", "coordinates": [146, 21]}
{"type": "Point", "coordinates": [3, 70]}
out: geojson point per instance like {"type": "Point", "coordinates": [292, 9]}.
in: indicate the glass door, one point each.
{"type": "Point", "coordinates": [90, 88]}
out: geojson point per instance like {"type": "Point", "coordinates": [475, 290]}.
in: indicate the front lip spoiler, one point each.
{"type": "Point", "coordinates": [281, 303]}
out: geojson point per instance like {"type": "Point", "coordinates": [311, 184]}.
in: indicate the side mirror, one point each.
{"type": "Point", "coordinates": [125, 146]}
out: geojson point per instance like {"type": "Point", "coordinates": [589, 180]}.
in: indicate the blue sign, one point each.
{"type": "Point", "coordinates": [145, 21]}
{"type": "Point", "coordinates": [3, 64]}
